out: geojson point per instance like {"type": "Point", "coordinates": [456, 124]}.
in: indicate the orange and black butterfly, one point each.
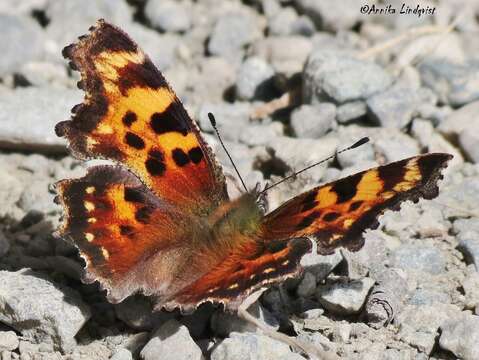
{"type": "Point", "coordinates": [161, 223]}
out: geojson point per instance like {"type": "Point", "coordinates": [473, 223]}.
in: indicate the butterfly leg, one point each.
{"type": "Point", "coordinates": [312, 351]}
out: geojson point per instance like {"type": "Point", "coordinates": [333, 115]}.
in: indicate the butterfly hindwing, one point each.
{"type": "Point", "coordinates": [336, 214]}
{"type": "Point", "coordinates": [132, 116]}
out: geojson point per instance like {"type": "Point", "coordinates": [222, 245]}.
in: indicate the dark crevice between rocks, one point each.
{"type": "Point", "coordinates": [40, 16]}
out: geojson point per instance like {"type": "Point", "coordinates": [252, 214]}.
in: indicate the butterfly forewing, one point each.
{"type": "Point", "coordinates": [336, 214]}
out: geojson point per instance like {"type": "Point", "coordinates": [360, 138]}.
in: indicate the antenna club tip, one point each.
{"type": "Point", "coordinates": [212, 119]}
{"type": "Point", "coordinates": [360, 142]}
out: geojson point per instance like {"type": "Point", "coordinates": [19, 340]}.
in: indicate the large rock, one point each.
{"type": "Point", "coordinates": [341, 77]}
{"type": "Point", "coordinates": [461, 337]}
{"type": "Point", "coordinates": [40, 310]}
{"type": "Point", "coordinates": [29, 116]}
{"type": "Point", "coordinates": [419, 258]}
{"type": "Point", "coordinates": [173, 341]}
{"type": "Point", "coordinates": [22, 41]}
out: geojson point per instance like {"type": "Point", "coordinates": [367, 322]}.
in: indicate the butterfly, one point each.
{"type": "Point", "coordinates": [160, 221]}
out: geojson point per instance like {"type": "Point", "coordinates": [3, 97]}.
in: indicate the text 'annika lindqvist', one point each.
{"type": "Point", "coordinates": [405, 9]}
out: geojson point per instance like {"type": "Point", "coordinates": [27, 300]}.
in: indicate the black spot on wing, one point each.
{"type": "Point", "coordinates": [392, 174]}
{"type": "Point", "coordinates": [155, 163]}
{"type": "Point", "coordinates": [331, 216]}
{"type": "Point", "coordinates": [308, 220]}
{"type": "Point", "coordinates": [173, 119]}
{"type": "Point", "coordinates": [195, 155]}
{"type": "Point", "coordinates": [143, 214]}
{"type": "Point", "coordinates": [346, 188]}
{"type": "Point", "coordinates": [133, 195]}
{"type": "Point", "coordinates": [355, 205]}
{"type": "Point", "coordinates": [129, 118]}
{"type": "Point", "coordinates": [126, 230]}
{"type": "Point", "coordinates": [134, 141]}
{"type": "Point", "coordinates": [179, 157]}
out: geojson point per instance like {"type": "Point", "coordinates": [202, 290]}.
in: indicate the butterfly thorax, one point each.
{"type": "Point", "coordinates": [236, 219]}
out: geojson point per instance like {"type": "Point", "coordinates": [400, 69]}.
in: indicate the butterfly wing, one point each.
{"type": "Point", "coordinates": [336, 214]}
{"type": "Point", "coordinates": [132, 116]}
{"type": "Point", "coordinates": [129, 238]}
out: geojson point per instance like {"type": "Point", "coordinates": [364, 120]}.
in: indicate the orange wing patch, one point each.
{"type": "Point", "coordinates": [336, 214]}
{"type": "Point", "coordinates": [131, 115]}
{"type": "Point", "coordinates": [121, 228]}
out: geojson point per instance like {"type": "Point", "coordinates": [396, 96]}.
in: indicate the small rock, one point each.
{"type": "Point", "coordinates": [461, 337]}
{"type": "Point", "coordinates": [341, 77]}
{"type": "Point", "coordinates": [232, 32]}
{"type": "Point", "coordinates": [169, 15]}
{"type": "Point", "coordinates": [286, 54]}
{"type": "Point", "coordinates": [8, 340]}
{"type": "Point", "coordinates": [307, 286]}
{"type": "Point", "coordinates": [419, 324]}
{"type": "Point", "coordinates": [396, 106]}
{"type": "Point", "coordinates": [261, 134]}
{"type": "Point", "coordinates": [459, 120]}
{"type": "Point", "coordinates": [468, 140]}
{"type": "Point", "coordinates": [231, 119]}
{"type": "Point", "coordinates": [320, 265]}
{"type": "Point", "coordinates": [350, 111]}
{"type": "Point", "coordinates": [252, 81]}
{"type": "Point", "coordinates": [40, 310]}
{"type": "Point", "coordinates": [345, 297]}
{"type": "Point", "coordinates": [313, 121]}
{"type": "Point", "coordinates": [15, 32]}
{"type": "Point", "coordinates": [223, 323]}
{"type": "Point", "coordinates": [36, 197]}
{"type": "Point", "coordinates": [428, 297]}
{"type": "Point", "coordinates": [286, 149]}
{"type": "Point", "coordinates": [4, 244]}
{"type": "Point", "coordinates": [173, 339]}
{"type": "Point", "coordinates": [122, 354]}
{"type": "Point", "coordinates": [332, 16]}
{"type": "Point", "coordinates": [456, 84]}
{"type": "Point", "coordinates": [419, 258]}
{"type": "Point", "coordinates": [251, 346]}
{"type": "Point", "coordinates": [428, 138]}
{"type": "Point", "coordinates": [470, 284]}
{"type": "Point", "coordinates": [26, 128]}
{"type": "Point", "coordinates": [137, 312]}
{"type": "Point", "coordinates": [283, 21]}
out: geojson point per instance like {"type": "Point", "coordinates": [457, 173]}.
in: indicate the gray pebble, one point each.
{"type": "Point", "coordinates": [8, 340]}
{"type": "Point", "coordinates": [344, 297]}
{"type": "Point", "coordinates": [122, 354]}
{"type": "Point", "coordinates": [29, 116]}
{"type": "Point", "coordinates": [169, 15]}
{"type": "Point", "coordinates": [173, 339]}
{"type": "Point", "coordinates": [313, 121]}
{"type": "Point", "coordinates": [469, 140]}
{"type": "Point", "coordinates": [461, 337]}
{"type": "Point", "coordinates": [57, 313]}
{"type": "Point", "coordinates": [252, 79]}
{"type": "Point", "coordinates": [341, 77]}
{"type": "Point", "coordinates": [455, 84]}
{"type": "Point", "coordinates": [350, 111]}
{"type": "Point", "coordinates": [231, 33]}
{"type": "Point", "coordinates": [251, 346]}
{"type": "Point", "coordinates": [15, 33]}
{"type": "Point", "coordinates": [419, 258]}
{"type": "Point", "coordinates": [332, 15]}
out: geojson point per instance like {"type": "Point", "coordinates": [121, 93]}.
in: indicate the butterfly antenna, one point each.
{"type": "Point", "coordinates": [358, 143]}
{"type": "Point", "coordinates": [213, 124]}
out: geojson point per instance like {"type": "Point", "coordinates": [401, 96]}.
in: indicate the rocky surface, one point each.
{"type": "Point", "coordinates": [410, 293]}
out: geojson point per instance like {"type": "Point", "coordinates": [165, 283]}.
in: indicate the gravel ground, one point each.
{"type": "Point", "coordinates": [289, 82]}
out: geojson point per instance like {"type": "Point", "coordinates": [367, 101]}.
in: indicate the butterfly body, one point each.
{"type": "Point", "coordinates": [161, 222]}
